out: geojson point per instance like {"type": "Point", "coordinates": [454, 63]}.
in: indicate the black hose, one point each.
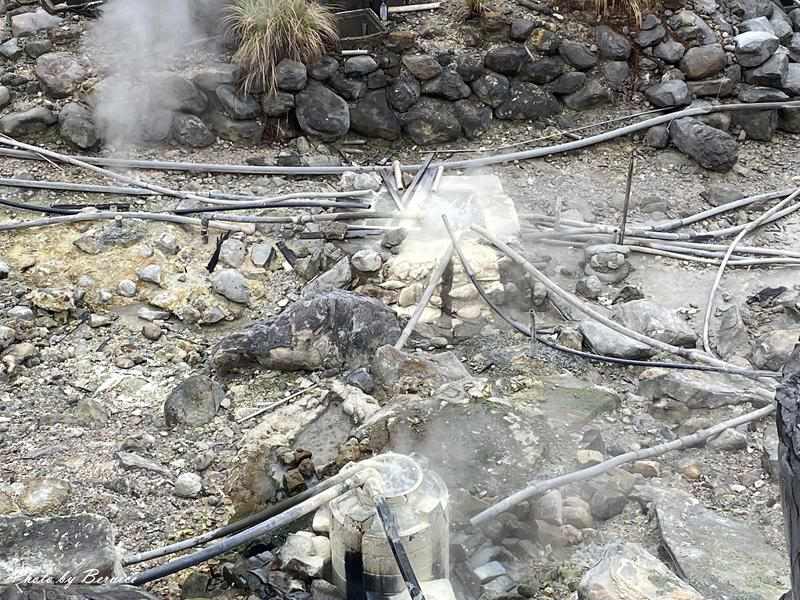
{"type": "Point", "coordinates": [580, 353]}
{"type": "Point", "coordinates": [389, 522]}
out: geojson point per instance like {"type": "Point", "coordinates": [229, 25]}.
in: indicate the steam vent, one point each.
{"type": "Point", "coordinates": [399, 300]}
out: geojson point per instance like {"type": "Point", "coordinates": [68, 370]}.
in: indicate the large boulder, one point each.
{"type": "Point", "coordinates": [28, 23]}
{"type": "Point", "coordinates": [48, 548]}
{"type": "Point", "coordinates": [703, 61]}
{"type": "Point", "coordinates": [394, 369]}
{"type": "Point", "coordinates": [241, 107]}
{"type": "Point", "coordinates": [753, 48]}
{"type": "Point", "coordinates": [173, 92]}
{"type": "Point", "coordinates": [492, 89]}
{"type": "Point", "coordinates": [432, 121]}
{"type": "Point", "coordinates": [528, 101]}
{"type": "Point", "coordinates": [190, 130]}
{"type": "Point", "coordinates": [321, 112]}
{"type": "Point", "coordinates": [449, 85]}
{"type": "Point", "coordinates": [32, 120]}
{"type": "Point", "coordinates": [475, 118]}
{"type": "Point", "coordinates": [712, 148]}
{"type": "Point", "coordinates": [403, 92]}
{"type": "Point", "coordinates": [700, 389]}
{"type": "Point", "coordinates": [577, 54]}
{"type": "Point", "coordinates": [691, 29]}
{"type": "Point", "coordinates": [773, 349]}
{"type": "Point", "coordinates": [605, 340]}
{"type": "Point", "coordinates": [60, 73]}
{"type": "Point", "coordinates": [373, 117]}
{"type": "Point", "coordinates": [759, 125]}
{"type": "Point", "coordinates": [193, 402]}
{"type": "Point", "coordinates": [629, 572]}
{"type": "Point", "coordinates": [592, 94]}
{"type": "Point", "coordinates": [770, 74]}
{"type": "Point", "coordinates": [656, 322]}
{"type": "Point", "coordinates": [77, 127]}
{"type": "Point", "coordinates": [506, 59]}
{"type": "Point", "coordinates": [669, 93]}
{"type": "Point", "coordinates": [612, 45]}
{"type": "Point", "coordinates": [422, 66]}
{"type": "Point", "coordinates": [291, 75]}
{"type": "Point", "coordinates": [333, 330]}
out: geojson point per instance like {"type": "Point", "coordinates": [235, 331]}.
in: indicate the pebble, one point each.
{"type": "Point", "coordinates": [96, 321]}
{"type": "Point", "coordinates": [366, 261]}
{"type": "Point", "coordinates": [150, 273]}
{"type": "Point", "coordinates": [167, 243]}
{"type": "Point", "coordinates": [587, 458]}
{"type": "Point", "coordinates": [188, 485]}
{"type": "Point", "coordinates": [730, 439]}
{"type": "Point", "coordinates": [23, 313]}
{"type": "Point", "coordinates": [152, 331]}
{"type": "Point", "coordinates": [690, 470]}
{"type": "Point", "coordinates": [646, 468]}
{"type": "Point", "coordinates": [126, 288]}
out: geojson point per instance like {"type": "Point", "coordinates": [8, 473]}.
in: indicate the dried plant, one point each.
{"type": "Point", "coordinates": [474, 8]}
{"type": "Point", "coordinates": [632, 10]}
{"type": "Point", "coordinates": [269, 31]}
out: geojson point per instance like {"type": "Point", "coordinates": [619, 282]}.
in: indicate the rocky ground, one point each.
{"type": "Point", "coordinates": [118, 396]}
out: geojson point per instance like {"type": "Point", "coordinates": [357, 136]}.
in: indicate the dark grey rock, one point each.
{"type": "Point", "coordinates": [60, 73]}
{"type": "Point", "coordinates": [105, 236]}
{"type": "Point", "coordinates": [291, 75]}
{"type": "Point", "coordinates": [475, 117]}
{"type": "Point", "coordinates": [607, 341]}
{"type": "Point", "coordinates": [172, 92]}
{"type": "Point", "coordinates": [190, 130]}
{"type": "Point", "coordinates": [403, 92]}
{"type": "Point", "coordinates": [704, 544]}
{"type": "Point", "coordinates": [703, 61]}
{"type": "Point", "coordinates": [794, 17]}
{"type": "Point", "coordinates": [669, 93]}
{"type": "Point", "coordinates": [349, 89]}
{"type": "Point", "coordinates": [772, 350]}
{"type": "Point", "coordinates": [322, 70]}
{"type": "Point", "coordinates": [577, 54]}
{"type": "Point", "coordinates": [507, 60]}
{"type": "Point", "coordinates": [277, 104]}
{"type": "Point", "coordinates": [27, 23]}
{"type": "Point", "coordinates": [592, 94]}
{"type": "Point", "coordinates": [5, 97]}
{"type": "Point", "coordinates": [721, 87]}
{"type": "Point", "coordinates": [360, 65]}
{"type": "Point", "coordinates": [781, 24]}
{"type": "Point", "coordinates": [732, 337]}
{"type": "Point", "coordinates": [157, 125]}
{"type": "Point", "coordinates": [616, 73]}
{"type": "Point", "coordinates": [469, 66]}
{"type": "Point", "coordinates": [657, 137]}
{"type": "Point", "coordinates": [712, 148]}
{"type": "Point", "coordinates": [10, 49]}
{"type": "Point", "coordinates": [333, 330]}
{"type": "Point", "coordinates": [521, 29]}
{"type": "Point", "coordinates": [241, 107]}
{"type": "Point", "coordinates": [492, 89]}
{"type": "Point", "coordinates": [321, 112]}
{"type": "Point", "coordinates": [758, 125]}
{"type": "Point", "coordinates": [527, 101]}
{"type": "Point", "coordinates": [655, 321]}
{"type": "Point", "coordinates": [545, 41]}
{"type": "Point", "coordinates": [448, 85]}
{"type": "Point", "coordinates": [231, 284]}
{"type": "Point", "coordinates": [211, 76]}
{"type": "Point", "coordinates": [568, 83]}
{"type": "Point", "coordinates": [233, 130]}
{"type": "Point", "coordinates": [669, 51]}
{"type": "Point", "coordinates": [373, 117]}
{"type": "Point", "coordinates": [717, 195]}
{"type": "Point", "coordinates": [422, 66]}
{"type": "Point", "coordinates": [751, 9]}
{"type": "Point", "coordinates": [651, 37]}
{"type": "Point", "coordinates": [393, 367]}
{"type": "Point", "coordinates": [361, 379]}
{"type": "Point", "coordinates": [755, 47]}
{"type": "Point", "coordinates": [338, 277]}
{"type": "Point", "coordinates": [769, 453]}
{"type": "Point", "coordinates": [794, 47]}
{"type": "Point", "coordinates": [757, 24]}
{"type": "Point", "coordinates": [193, 402]}
{"type": "Point", "coordinates": [48, 548]}
{"type": "Point", "coordinates": [77, 127]}
{"type": "Point", "coordinates": [432, 121]}
{"type": "Point", "coordinates": [377, 79]}
{"type": "Point", "coordinates": [769, 74]}
{"type": "Point", "coordinates": [542, 71]}
{"type": "Point", "coordinates": [751, 94]}
{"type": "Point", "coordinates": [607, 502]}
{"type": "Point", "coordinates": [789, 121]}
{"type": "Point", "coordinates": [791, 81]}
{"type": "Point", "coordinates": [612, 45]}
{"type": "Point", "coordinates": [699, 389]}
{"type": "Point", "coordinates": [691, 29]}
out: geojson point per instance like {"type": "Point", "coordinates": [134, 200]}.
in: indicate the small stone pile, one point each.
{"type": "Point", "coordinates": [604, 264]}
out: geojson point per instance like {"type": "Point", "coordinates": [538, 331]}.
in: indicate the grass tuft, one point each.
{"type": "Point", "coordinates": [631, 10]}
{"type": "Point", "coordinates": [269, 31]}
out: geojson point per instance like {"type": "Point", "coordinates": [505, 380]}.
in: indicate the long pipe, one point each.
{"type": "Point", "coordinates": [111, 216]}
{"type": "Point", "coordinates": [455, 164]}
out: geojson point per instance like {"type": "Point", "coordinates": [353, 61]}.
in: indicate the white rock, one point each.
{"type": "Point", "coordinates": [322, 520]}
{"type": "Point", "coordinates": [366, 261]}
{"type": "Point", "coordinates": [188, 485]}
{"type": "Point", "coordinates": [7, 337]}
{"type": "Point", "coordinates": [232, 253]}
{"type": "Point", "coordinates": [306, 554]}
{"type": "Point", "coordinates": [167, 243]}
{"type": "Point", "coordinates": [23, 313]}
{"type": "Point", "coordinates": [126, 288]}
{"type": "Point", "coordinates": [150, 273]}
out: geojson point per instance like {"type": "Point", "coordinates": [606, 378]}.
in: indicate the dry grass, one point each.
{"type": "Point", "coordinates": [474, 8]}
{"type": "Point", "coordinates": [269, 31]}
{"type": "Point", "coordinates": [630, 10]}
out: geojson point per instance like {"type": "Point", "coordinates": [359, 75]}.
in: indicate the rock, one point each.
{"type": "Point", "coordinates": [568, 83]}
{"type": "Point", "coordinates": [277, 104]}
{"type": "Point", "coordinates": [616, 74]}
{"type": "Point", "coordinates": [718, 88]}
{"type": "Point", "coordinates": [752, 9]}
{"type": "Point", "coordinates": [5, 97]}
{"type": "Point", "coordinates": [655, 321]}
{"type": "Point", "coordinates": [422, 66]}
{"type": "Point", "coordinates": [791, 82]}
{"type": "Point", "coordinates": [360, 65]}
{"type": "Point", "coordinates": [448, 85]}
{"type": "Point", "coordinates": [542, 71]}
{"type": "Point", "coordinates": [755, 47]}
{"type": "Point", "coordinates": [712, 148]}
{"type": "Point", "coordinates": [772, 350]}
{"type": "Point", "coordinates": [720, 557]}
{"type": "Point", "coordinates": [233, 130]}
{"type": "Point", "coordinates": [231, 284]}
{"type": "Point", "coordinates": [324, 69]}
{"type": "Point", "coordinates": [521, 29]}
{"type": "Point", "coordinates": [211, 76]}
{"type": "Point", "coordinates": [10, 50]}
{"type": "Point", "coordinates": [732, 337]}
{"type": "Point", "coordinates": [646, 468]}
{"type": "Point", "coordinates": [703, 61]}
{"type": "Point", "coordinates": [545, 41]}
{"type": "Point", "coordinates": [475, 118]}
{"type": "Point", "coordinates": [577, 54]}
{"type": "Point", "coordinates": [470, 66]}
{"type": "Point", "coordinates": [612, 45]}
{"type": "Point", "coordinates": [607, 341]}
{"type": "Point", "coordinates": [492, 89]}
{"type": "Point", "coordinates": [588, 458]}
{"type": "Point", "coordinates": [758, 125]}
{"type": "Point", "coordinates": [329, 331]}
{"type": "Point", "coordinates": [393, 368]}
{"type": "Point", "coordinates": [657, 137]}
{"type": "Point", "coordinates": [232, 253]}
{"type": "Point", "coordinates": [730, 439]}
{"type": "Point", "coordinates": [793, 46]}
{"type": "Point", "coordinates": [691, 29]}
{"type": "Point", "coordinates": [59, 73]}
{"type": "Point", "coordinates": [77, 126]}
{"type": "Point", "coordinates": [698, 389]}
{"type": "Point", "coordinates": [366, 261]}
{"type": "Point", "coordinates": [355, 403]}
{"type": "Point", "coordinates": [190, 130]}
{"type": "Point", "coordinates": [527, 101]}
{"type": "Point", "coordinates": [131, 460]}
{"type": "Point", "coordinates": [290, 75]}
{"type": "Point", "coordinates": [548, 508]}
{"type": "Point", "coordinates": [506, 59]}
{"type": "Point", "coordinates": [647, 38]}
{"type": "Point", "coordinates": [669, 93]}
{"type": "Point", "coordinates": [20, 313]}
{"type": "Point", "coordinates": [770, 453]}
{"type": "Point", "coordinates": [336, 278]}
{"type": "Point", "coordinates": [101, 238]}
{"type": "Point", "coordinates": [607, 502]}
{"type": "Point", "coordinates": [771, 73]}
{"type": "Point", "coordinates": [670, 51]}
{"type": "Point", "coordinates": [43, 495]}
{"type": "Point", "coordinates": [592, 94]}
{"type": "Point", "coordinates": [150, 274]}
{"type": "Point", "coordinates": [240, 107]}
{"type": "Point", "coordinates": [373, 117]}
{"type": "Point", "coordinates": [7, 337]}
{"type": "Point", "coordinates": [628, 572]}
{"type": "Point", "coordinates": [757, 24]}
{"type": "Point", "coordinates": [781, 25]}
{"type": "Point", "coordinates": [321, 112]}
{"type": "Point", "coordinates": [432, 121]}
{"type": "Point", "coordinates": [53, 299]}
{"type": "Point", "coordinates": [305, 554]}
{"type": "Point", "coordinates": [27, 23]}
{"type": "Point", "coordinates": [789, 121]}
{"type": "Point", "coordinates": [30, 121]}
{"type": "Point", "coordinates": [403, 92]}
{"type": "Point", "coordinates": [188, 485]}
{"type": "Point", "coordinates": [349, 89]}
{"type": "Point", "coordinates": [193, 402]}
{"type": "Point", "coordinates": [77, 545]}
{"type": "Point", "coordinates": [172, 92]}
{"type": "Point", "coordinates": [152, 332]}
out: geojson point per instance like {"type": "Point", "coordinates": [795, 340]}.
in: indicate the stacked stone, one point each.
{"type": "Point", "coordinates": [604, 264]}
